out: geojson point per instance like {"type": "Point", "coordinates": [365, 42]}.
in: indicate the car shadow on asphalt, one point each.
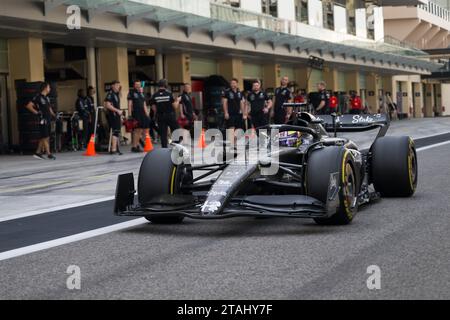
{"type": "Point", "coordinates": [238, 228]}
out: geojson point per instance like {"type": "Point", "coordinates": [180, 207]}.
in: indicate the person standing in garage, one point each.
{"type": "Point", "coordinates": [260, 105]}
{"type": "Point", "coordinates": [164, 105]}
{"type": "Point", "coordinates": [40, 106]}
{"type": "Point", "coordinates": [90, 101]}
{"type": "Point", "coordinates": [233, 102]}
{"type": "Point", "coordinates": [137, 109]}
{"type": "Point", "coordinates": [187, 113]}
{"type": "Point", "coordinates": [282, 95]}
{"type": "Point", "coordinates": [112, 104]}
{"type": "Point", "coordinates": [82, 107]}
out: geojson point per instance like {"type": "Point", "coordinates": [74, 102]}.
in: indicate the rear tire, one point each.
{"type": "Point", "coordinates": [321, 164]}
{"type": "Point", "coordinates": [159, 176]}
{"type": "Point", "coordinates": [394, 166]}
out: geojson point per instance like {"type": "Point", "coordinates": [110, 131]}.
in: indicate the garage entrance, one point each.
{"type": "Point", "coordinates": [4, 129]}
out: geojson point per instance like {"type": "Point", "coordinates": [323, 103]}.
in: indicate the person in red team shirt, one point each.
{"type": "Point", "coordinates": [333, 104]}
{"type": "Point", "coordinates": [356, 105]}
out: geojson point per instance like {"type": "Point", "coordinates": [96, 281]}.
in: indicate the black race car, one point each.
{"type": "Point", "coordinates": [320, 176]}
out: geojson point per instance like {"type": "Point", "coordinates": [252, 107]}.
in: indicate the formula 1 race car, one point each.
{"type": "Point", "coordinates": [319, 176]}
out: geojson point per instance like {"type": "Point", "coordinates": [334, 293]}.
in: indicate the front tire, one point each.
{"type": "Point", "coordinates": [321, 165]}
{"type": "Point", "coordinates": [394, 166]}
{"type": "Point", "coordinates": [159, 176]}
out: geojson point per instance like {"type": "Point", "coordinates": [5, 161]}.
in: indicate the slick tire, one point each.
{"type": "Point", "coordinates": [394, 168]}
{"type": "Point", "coordinates": [321, 165]}
{"type": "Point", "coordinates": [159, 176]}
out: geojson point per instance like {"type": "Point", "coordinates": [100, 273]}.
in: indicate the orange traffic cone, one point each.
{"type": "Point", "coordinates": [148, 144]}
{"type": "Point", "coordinates": [90, 152]}
{"type": "Point", "coordinates": [202, 141]}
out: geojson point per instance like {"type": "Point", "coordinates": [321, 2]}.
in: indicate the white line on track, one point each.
{"type": "Point", "coordinates": [433, 146]}
{"type": "Point", "coordinates": [102, 231]}
{"type": "Point", "coordinates": [59, 208]}
{"type": "Point", "coordinates": [74, 238]}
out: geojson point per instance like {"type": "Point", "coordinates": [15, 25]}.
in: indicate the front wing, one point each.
{"type": "Point", "coordinates": [192, 206]}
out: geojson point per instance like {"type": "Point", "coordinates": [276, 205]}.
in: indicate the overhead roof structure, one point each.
{"type": "Point", "coordinates": [239, 25]}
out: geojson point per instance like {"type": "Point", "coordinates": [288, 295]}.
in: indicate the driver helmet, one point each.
{"type": "Point", "coordinates": [292, 139]}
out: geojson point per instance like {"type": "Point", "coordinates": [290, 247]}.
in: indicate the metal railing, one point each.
{"type": "Point", "coordinates": [399, 43]}
{"type": "Point", "coordinates": [248, 18]}
{"type": "Point", "coordinates": [436, 10]}
{"type": "Point", "coordinates": [266, 22]}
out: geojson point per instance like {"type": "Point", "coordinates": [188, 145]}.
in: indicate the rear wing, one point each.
{"type": "Point", "coordinates": [355, 123]}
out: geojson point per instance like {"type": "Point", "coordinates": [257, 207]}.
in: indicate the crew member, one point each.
{"type": "Point", "coordinates": [355, 104]}
{"type": "Point", "coordinates": [234, 107]}
{"type": "Point", "coordinates": [320, 101]}
{"type": "Point", "coordinates": [90, 101]}
{"type": "Point", "coordinates": [260, 105]}
{"type": "Point", "coordinates": [112, 104]}
{"type": "Point", "coordinates": [40, 106]}
{"type": "Point", "coordinates": [282, 95]}
{"type": "Point", "coordinates": [164, 106]}
{"type": "Point", "coordinates": [82, 107]}
{"type": "Point", "coordinates": [137, 108]}
{"type": "Point", "coordinates": [187, 110]}
{"type": "Point", "coordinates": [333, 104]}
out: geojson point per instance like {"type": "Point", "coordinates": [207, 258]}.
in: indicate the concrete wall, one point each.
{"type": "Point", "coordinates": [252, 5]}
{"type": "Point", "coordinates": [361, 23]}
{"type": "Point", "coordinates": [286, 9]}
{"type": "Point", "coordinates": [340, 19]}
{"type": "Point", "coordinates": [4, 56]}
{"type": "Point", "coordinates": [315, 13]}
{"type": "Point", "coordinates": [379, 24]}
{"type": "Point", "coordinates": [67, 94]}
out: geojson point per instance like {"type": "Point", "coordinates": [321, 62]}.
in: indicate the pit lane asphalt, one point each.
{"type": "Point", "coordinates": [245, 258]}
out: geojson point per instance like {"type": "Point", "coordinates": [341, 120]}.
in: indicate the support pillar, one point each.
{"type": "Point", "coordinates": [159, 61]}
{"type": "Point", "coordinates": [92, 70]}
{"type": "Point", "coordinates": [232, 68]}
{"type": "Point", "coordinates": [26, 62]}
{"type": "Point", "coordinates": [178, 68]}
{"type": "Point", "coordinates": [388, 88]}
{"type": "Point", "coordinates": [330, 76]}
{"type": "Point", "coordinates": [303, 79]}
{"type": "Point", "coordinates": [352, 82]}
{"type": "Point", "coordinates": [373, 82]}
{"type": "Point", "coordinates": [417, 99]}
{"type": "Point", "coordinates": [429, 100]}
{"type": "Point", "coordinates": [113, 65]}
{"type": "Point", "coordinates": [272, 75]}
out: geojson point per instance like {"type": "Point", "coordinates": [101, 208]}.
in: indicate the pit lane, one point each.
{"type": "Point", "coordinates": [244, 258]}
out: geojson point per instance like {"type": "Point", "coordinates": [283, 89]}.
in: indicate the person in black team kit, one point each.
{"type": "Point", "coordinates": [260, 106]}
{"type": "Point", "coordinates": [234, 106]}
{"type": "Point", "coordinates": [320, 100]}
{"type": "Point", "coordinates": [282, 95]}
{"type": "Point", "coordinates": [112, 104]}
{"type": "Point", "coordinates": [40, 106]}
{"type": "Point", "coordinates": [187, 110]}
{"type": "Point", "coordinates": [164, 106]}
{"type": "Point", "coordinates": [82, 107]}
{"type": "Point", "coordinates": [90, 101]}
{"type": "Point", "coordinates": [137, 108]}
